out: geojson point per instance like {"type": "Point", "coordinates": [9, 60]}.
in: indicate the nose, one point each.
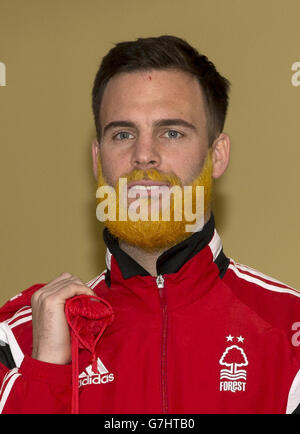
{"type": "Point", "coordinates": [146, 154]}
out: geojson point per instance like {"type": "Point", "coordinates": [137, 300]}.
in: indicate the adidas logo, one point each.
{"type": "Point", "coordinates": [88, 376]}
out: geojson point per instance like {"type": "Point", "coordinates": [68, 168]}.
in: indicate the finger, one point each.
{"type": "Point", "coordinates": [59, 295]}
{"type": "Point", "coordinates": [62, 276]}
{"type": "Point", "coordinates": [55, 286]}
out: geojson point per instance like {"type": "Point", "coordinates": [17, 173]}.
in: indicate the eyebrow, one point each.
{"type": "Point", "coordinates": [158, 123]}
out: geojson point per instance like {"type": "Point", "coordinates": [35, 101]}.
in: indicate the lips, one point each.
{"type": "Point", "coordinates": [146, 183]}
{"type": "Point", "coordinates": [145, 188]}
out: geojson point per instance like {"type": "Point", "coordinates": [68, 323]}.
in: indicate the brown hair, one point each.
{"type": "Point", "coordinates": [165, 52]}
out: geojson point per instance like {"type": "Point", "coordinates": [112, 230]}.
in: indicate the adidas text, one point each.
{"type": "Point", "coordinates": [96, 379]}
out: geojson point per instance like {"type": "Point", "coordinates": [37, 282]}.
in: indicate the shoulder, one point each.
{"type": "Point", "coordinates": [242, 275]}
{"type": "Point", "coordinates": [15, 309]}
{"type": "Point", "coordinates": [16, 324]}
{"type": "Point", "coordinates": [15, 327]}
{"type": "Point", "coordinates": [274, 301]}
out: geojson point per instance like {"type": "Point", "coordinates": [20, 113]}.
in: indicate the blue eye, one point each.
{"type": "Point", "coordinates": [123, 135]}
{"type": "Point", "coordinates": [173, 134]}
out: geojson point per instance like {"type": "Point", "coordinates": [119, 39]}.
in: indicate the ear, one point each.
{"type": "Point", "coordinates": [95, 155]}
{"type": "Point", "coordinates": [220, 154]}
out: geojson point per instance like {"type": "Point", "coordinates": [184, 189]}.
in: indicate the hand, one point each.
{"type": "Point", "coordinates": [51, 336]}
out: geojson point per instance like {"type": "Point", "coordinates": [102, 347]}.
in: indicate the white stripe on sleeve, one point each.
{"type": "Point", "coordinates": [9, 381]}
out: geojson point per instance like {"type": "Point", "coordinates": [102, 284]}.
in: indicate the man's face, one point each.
{"type": "Point", "coordinates": [159, 122]}
{"type": "Point", "coordinates": [154, 133]}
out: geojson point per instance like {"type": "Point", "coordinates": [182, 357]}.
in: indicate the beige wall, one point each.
{"type": "Point", "coordinates": [51, 50]}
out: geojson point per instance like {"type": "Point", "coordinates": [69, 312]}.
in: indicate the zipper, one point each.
{"type": "Point", "coordinates": [160, 282]}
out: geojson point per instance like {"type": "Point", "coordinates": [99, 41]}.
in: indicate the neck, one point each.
{"type": "Point", "coordinates": [146, 259]}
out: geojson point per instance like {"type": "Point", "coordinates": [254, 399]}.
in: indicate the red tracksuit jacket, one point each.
{"type": "Point", "coordinates": [208, 335]}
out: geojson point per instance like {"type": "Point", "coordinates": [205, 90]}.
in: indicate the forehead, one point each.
{"type": "Point", "coordinates": [152, 94]}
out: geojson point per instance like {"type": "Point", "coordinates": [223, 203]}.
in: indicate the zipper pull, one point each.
{"type": "Point", "coordinates": [160, 281]}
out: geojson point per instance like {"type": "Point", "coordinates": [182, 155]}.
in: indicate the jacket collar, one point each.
{"type": "Point", "coordinates": [172, 259]}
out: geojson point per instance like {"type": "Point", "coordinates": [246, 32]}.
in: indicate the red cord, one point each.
{"type": "Point", "coordinates": [75, 385]}
{"type": "Point", "coordinates": [80, 315]}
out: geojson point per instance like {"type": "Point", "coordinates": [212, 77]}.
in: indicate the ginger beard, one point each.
{"type": "Point", "coordinates": [152, 235]}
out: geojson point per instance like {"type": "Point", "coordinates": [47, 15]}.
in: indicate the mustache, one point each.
{"type": "Point", "coordinates": [152, 175]}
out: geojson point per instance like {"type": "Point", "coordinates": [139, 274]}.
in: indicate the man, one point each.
{"type": "Point", "coordinates": [172, 325]}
